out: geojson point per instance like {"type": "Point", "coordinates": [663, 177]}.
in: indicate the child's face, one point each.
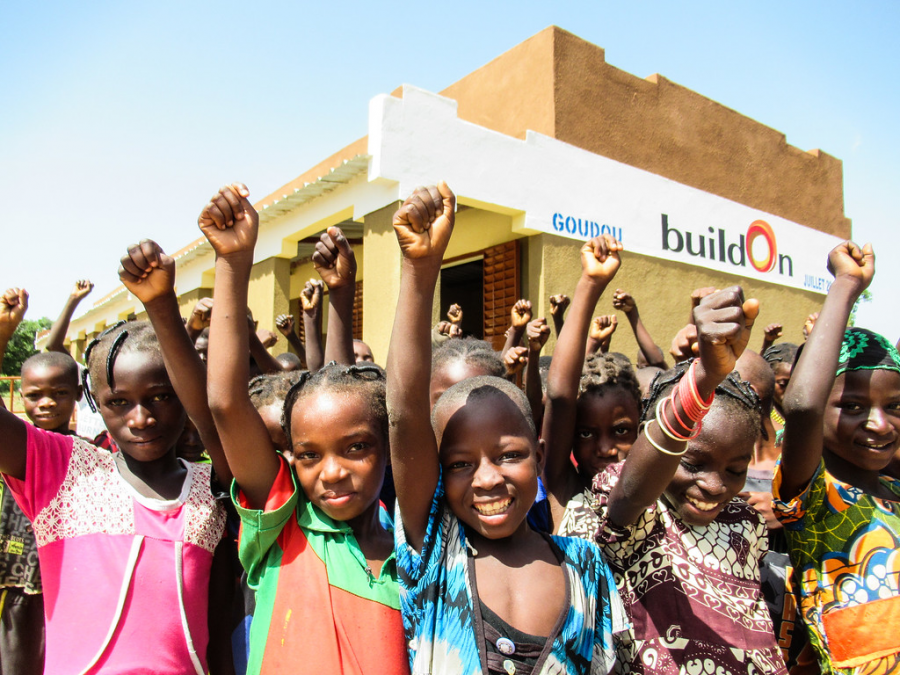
{"type": "Point", "coordinates": [713, 470]}
{"type": "Point", "coordinates": [189, 446]}
{"type": "Point", "coordinates": [143, 415]}
{"type": "Point", "coordinates": [340, 452]}
{"type": "Point", "coordinates": [449, 374]}
{"type": "Point", "coordinates": [49, 397]}
{"type": "Point", "coordinates": [605, 429]}
{"type": "Point", "coordinates": [491, 462]}
{"type": "Point", "coordinates": [782, 377]}
{"type": "Point", "coordinates": [271, 417]}
{"type": "Point", "coordinates": [862, 418]}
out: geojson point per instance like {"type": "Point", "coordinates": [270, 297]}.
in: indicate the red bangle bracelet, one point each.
{"type": "Point", "coordinates": [684, 426]}
{"type": "Point", "coordinates": [694, 407]}
{"type": "Point", "coordinates": [666, 427]}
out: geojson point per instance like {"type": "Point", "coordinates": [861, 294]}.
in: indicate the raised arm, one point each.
{"type": "Point", "coordinates": [771, 333]}
{"type": "Point", "coordinates": [724, 320]}
{"type": "Point", "coordinates": [261, 355]}
{"type": "Point", "coordinates": [13, 305]}
{"type": "Point", "coordinates": [285, 324]}
{"type": "Point", "coordinates": [61, 326]}
{"type": "Point", "coordinates": [558, 305]}
{"type": "Point", "coordinates": [599, 264]}
{"type": "Point", "coordinates": [519, 317]}
{"type": "Point", "coordinates": [311, 301]}
{"type": "Point", "coordinates": [813, 376]}
{"type": "Point", "coordinates": [199, 318]}
{"type": "Point", "coordinates": [537, 332]}
{"type": "Point", "coordinates": [600, 334]}
{"type": "Point", "coordinates": [230, 224]}
{"type": "Point", "coordinates": [149, 275]}
{"type": "Point", "coordinates": [654, 356]}
{"type": "Point", "coordinates": [336, 264]}
{"type": "Point", "coordinates": [423, 226]}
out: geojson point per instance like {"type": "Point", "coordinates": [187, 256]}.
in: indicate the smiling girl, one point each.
{"type": "Point", "coordinates": [314, 540]}
{"type": "Point", "coordinates": [482, 592]}
{"type": "Point", "coordinates": [841, 516]}
{"type": "Point", "coordinates": [127, 538]}
{"type": "Point", "coordinates": [685, 551]}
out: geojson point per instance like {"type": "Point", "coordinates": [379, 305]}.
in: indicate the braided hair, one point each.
{"type": "Point", "coordinates": [473, 352]}
{"type": "Point", "coordinates": [100, 355]}
{"type": "Point", "coordinates": [602, 372]}
{"type": "Point", "coordinates": [365, 379]}
{"type": "Point", "coordinates": [272, 388]}
{"type": "Point", "coordinates": [783, 352]}
{"type": "Point", "coordinates": [734, 397]}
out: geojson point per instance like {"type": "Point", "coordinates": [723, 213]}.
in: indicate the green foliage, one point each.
{"type": "Point", "coordinates": [865, 297]}
{"type": "Point", "coordinates": [21, 345]}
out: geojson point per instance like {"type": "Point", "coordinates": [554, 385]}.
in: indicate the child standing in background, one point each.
{"type": "Point", "coordinates": [593, 407]}
{"type": "Point", "coordinates": [50, 391]}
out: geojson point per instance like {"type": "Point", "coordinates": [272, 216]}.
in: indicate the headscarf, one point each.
{"type": "Point", "coordinates": [864, 350]}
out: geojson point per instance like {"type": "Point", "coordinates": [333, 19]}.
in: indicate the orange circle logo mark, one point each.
{"type": "Point", "coordinates": [757, 229]}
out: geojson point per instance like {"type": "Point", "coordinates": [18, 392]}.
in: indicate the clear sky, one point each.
{"type": "Point", "coordinates": [119, 120]}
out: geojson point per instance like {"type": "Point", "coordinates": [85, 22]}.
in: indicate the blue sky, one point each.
{"type": "Point", "coordinates": [118, 120]}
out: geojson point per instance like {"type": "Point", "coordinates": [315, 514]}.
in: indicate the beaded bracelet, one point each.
{"type": "Point", "coordinates": [661, 448]}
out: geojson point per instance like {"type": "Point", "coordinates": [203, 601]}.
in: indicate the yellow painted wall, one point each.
{"type": "Point", "coordinates": [382, 260]}
{"type": "Point", "coordinates": [661, 289]}
{"type": "Point", "coordinates": [270, 282]}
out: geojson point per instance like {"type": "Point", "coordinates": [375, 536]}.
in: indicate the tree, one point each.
{"type": "Point", "coordinates": [865, 297]}
{"type": "Point", "coordinates": [21, 345]}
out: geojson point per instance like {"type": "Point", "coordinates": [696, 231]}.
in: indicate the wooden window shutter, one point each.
{"type": "Point", "coordinates": [501, 290]}
{"type": "Point", "coordinates": [358, 312]}
{"type": "Point", "coordinates": [296, 309]}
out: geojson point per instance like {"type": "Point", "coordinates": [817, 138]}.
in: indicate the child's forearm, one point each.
{"type": "Point", "coordinates": [513, 339]}
{"type": "Point", "coordinates": [339, 345]}
{"type": "Point", "coordinates": [652, 353]}
{"type": "Point", "coordinates": [188, 376]}
{"type": "Point", "coordinates": [414, 453]}
{"type": "Point", "coordinates": [562, 382]}
{"type": "Point", "coordinates": [533, 390]}
{"type": "Point", "coordinates": [568, 356]}
{"type": "Point", "coordinates": [244, 436]}
{"type": "Point", "coordinates": [558, 322]}
{"type": "Point", "coordinates": [57, 337]}
{"type": "Point", "coordinates": [264, 360]}
{"type": "Point", "coordinates": [312, 328]}
{"type": "Point", "coordinates": [811, 382]}
{"type": "Point", "coordinates": [295, 342]}
{"type": "Point", "coordinates": [648, 471]}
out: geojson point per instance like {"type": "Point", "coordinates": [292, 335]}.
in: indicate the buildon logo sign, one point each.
{"type": "Point", "coordinates": [756, 247]}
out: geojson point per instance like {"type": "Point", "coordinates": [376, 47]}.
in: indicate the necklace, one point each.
{"type": "Point", "coordinates": [776, 417]}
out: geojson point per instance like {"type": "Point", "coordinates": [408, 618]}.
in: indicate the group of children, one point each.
{"type": "Point", "coordinates": [432, 516]}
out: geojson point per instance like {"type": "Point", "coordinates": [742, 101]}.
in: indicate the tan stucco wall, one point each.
{"type": "Point", "coordinates": [660, 288]}
{"type": "Point", "coordinates": [560, 85]}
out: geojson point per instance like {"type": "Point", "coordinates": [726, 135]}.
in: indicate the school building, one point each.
{"type": "Point", "coordinates": [546, 146]}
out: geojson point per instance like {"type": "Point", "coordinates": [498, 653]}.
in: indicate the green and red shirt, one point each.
{"type": "Point", "coordinates": [318, 607]}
